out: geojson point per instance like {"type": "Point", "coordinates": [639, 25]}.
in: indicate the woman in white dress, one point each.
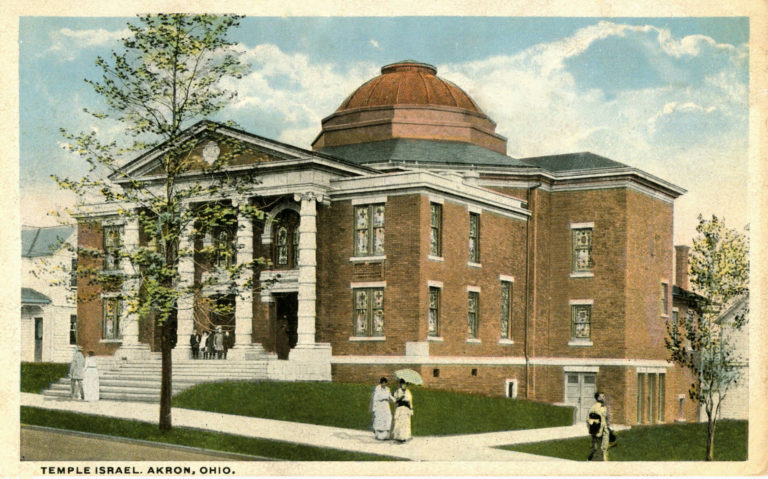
{"type": "Point", "coordinates": [401, 431]}
{"type": "Point", "coordinates": [381, 416]}
{"type": "Point", "coordinates": [91, 379]}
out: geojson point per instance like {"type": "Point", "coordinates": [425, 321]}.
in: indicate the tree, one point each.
{"type": "Point", "coordinates": [719, 268]}
{"type": "Point", "coordinates": [167, 75]}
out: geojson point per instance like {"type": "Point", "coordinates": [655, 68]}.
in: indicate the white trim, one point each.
{"type": "Point", "coordinates": [513, 382]}
{"type": "Point", "coordinates": [506, 341]}
{"type": "Point", "coordinates": [367, 259]}
{"type": "Point", "coordinates": [473, 289]}
{"type": "Point", "coordinates": [651, 370]}
{"type": "Point", "coordinates": [369, 200]}
{"type": "Point", "coordinates": [474, 209]}
{"type": "Point", "coordinates": [506, 278]}
{"type": "Point", "coordinates": [474, 265]}
{"type": "Point", "coordinates": [367, 284]}
{"type": "Point", "coordinates": [573, 302]}
{"type": "Point", "coordinates": [582, 274]}
{"type": "Point", "coordinates": [110, 341]}
{"type": "Point", "coordinates": [367, 338]}
{"type": "Point", "coordinates": [578, 342]}
{"type": "Point", "coordinates": [581, 369]}
{"type": "Point", "coordinates": [111, 294]}
{"type": "Point", "coordinates": [435, 258]}
{"type": "Point", "coordinates": [474, 340]}
{"type": "Point", "coordinates": [437, 339]}
{"type": "Point", "coordinates": [436, 199]}
{"type": "Point", "coordinates": [434, 284]}
{"type": "Point", "coordinates": [584, 225]}
{"type": "Point", "coordinates": [500, 361]}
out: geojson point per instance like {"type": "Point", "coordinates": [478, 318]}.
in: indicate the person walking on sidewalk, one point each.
{"type": "Point", "coordinates": [401, 431]}
{"type": "Point", "coordinates": [597, 424]}
{"type": "Point", "coordinates": [381, 415]}
{"type": "Point", "coordinates": [76, 370]}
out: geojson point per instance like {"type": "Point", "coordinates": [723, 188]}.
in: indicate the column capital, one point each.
{"type": "Point", "coordinates": [309, 196]}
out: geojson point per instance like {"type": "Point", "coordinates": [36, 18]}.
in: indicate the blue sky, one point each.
{"type": "Point", "coordinates": [669, 96]}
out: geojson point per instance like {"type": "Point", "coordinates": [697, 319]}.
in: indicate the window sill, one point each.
{"type": "Point", "coordinates": [474, 265]}
{"type": "Point", "coordinates": [367, 338]}
{"type": "Point", "coordinates": [437, 339]}
{"type": "Point", "coordinates": [580, 342]}
{"type": "Point", "coordinates": [110, 341]}
{"type": "Point", "coordinates": [506, 342]}
{"type": "Point", "coordinates": [583, 274]}
{"type": "Point", "coordinates": [435, 258]}
{"type": "Point", "coordinates": [474, 341]}
{"type": "Point", "coordinates": [367, 259]}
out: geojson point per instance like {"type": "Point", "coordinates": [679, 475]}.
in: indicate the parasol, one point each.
{"type": "Point", "coordinates": [410, 376]}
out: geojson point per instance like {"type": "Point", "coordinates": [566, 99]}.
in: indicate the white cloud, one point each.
{"type": "Point", "coordinates": [66, 43]}
{"type": "Point", "coordinates": [374, 44]}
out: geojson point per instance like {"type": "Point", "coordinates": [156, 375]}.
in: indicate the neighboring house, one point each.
{"type": "Point", "coordinates": [408, 238]}
{"type": "Point", "coordinates": [48, 311]}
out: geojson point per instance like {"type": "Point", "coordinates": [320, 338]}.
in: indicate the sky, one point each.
{"type": "Point", "coordinates": [665, 95]}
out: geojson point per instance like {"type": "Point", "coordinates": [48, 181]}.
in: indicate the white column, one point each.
{"type": "Point", "coordinates": [185, 318]}
{"type": "Point", "coordinates": [307, 269]}
{"type": "Point", "coordinates": [244, 347]}
{"type": "Point", "coordinates": [129, 321]}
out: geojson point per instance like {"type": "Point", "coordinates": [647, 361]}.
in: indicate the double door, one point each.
{"type": "Point", "coordinates": [580, 391]}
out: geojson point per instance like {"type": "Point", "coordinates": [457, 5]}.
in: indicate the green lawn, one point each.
{"type": "Point", "coordinates": [189, 437]}
{"type": "Point", "coordinates": [346, 405]}
{"type": "Point", "coordinates": [38, 376]}
{"type": "Point", "coordinates": [671, 442]}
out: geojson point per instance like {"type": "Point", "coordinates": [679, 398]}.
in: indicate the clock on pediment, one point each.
{"type": "Point", "coordinates": [211, 152]}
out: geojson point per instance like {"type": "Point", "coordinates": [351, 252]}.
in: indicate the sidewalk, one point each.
{"type": "Point", "coordinates": [470, 447]}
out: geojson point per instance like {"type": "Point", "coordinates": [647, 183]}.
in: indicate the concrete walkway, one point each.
{"type": "Point", "coordinates": [470, 447]}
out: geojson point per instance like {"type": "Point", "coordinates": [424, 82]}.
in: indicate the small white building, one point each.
{"type": "Point", "coordinates": [48, 309]}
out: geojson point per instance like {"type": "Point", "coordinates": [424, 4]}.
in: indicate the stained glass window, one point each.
{"type": "Point", "coordinates": [581, 321]}
{"type": "Point", "coordinates": [434, 311]}
{"type": "Point", "coordinates": [282, 245]}
{"type": "Point", "coordinates": [111, 318]}
{"type": "Point", "coordinates": [369, 230]}
{"type": "Point", "coordinates": [474, 299]}
{"type": "Point", "coordinates": [369, 312]}
{"type": "Point", "coordinates": [506, 308]}
{"type": "Point", "coordinates": [112, 243]}
{"type": "Point", "coordinates": [474, 237]}
{"type": "Point", "coordinates": [435, 240]}
{"type": "Point", "coordinates": [582, 249]}
{"type": "Point", "coordinates": [223, 250]}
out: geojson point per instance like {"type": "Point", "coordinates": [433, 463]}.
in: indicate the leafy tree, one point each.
{"type": "Point", "coordinates": [719, 268]}
{"type": "Point", "coordinates": [167, 75]}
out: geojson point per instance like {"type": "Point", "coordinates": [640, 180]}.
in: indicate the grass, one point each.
{"type": "Point", "coordinates": [670, 442]}
{"type": "Point", "coordinates": [189, 437]}
{"type": "Point", "coordinates": [346, 405]}
{"type": "Point", "coordinates": [35, 377]}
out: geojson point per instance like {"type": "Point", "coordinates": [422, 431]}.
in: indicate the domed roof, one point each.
{"type": "Point", "coordinates": [408, 83]}
{"type": "Point", "coordinates": [409, 101]}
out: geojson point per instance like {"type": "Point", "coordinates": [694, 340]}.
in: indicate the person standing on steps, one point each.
{"type": "Point", "coordinates": [401, 431]}
{"type": "Point", "coordinates": [381, 415]}
{"type": "Point", "coordinates": [218, 343]}
{"type": "Point", "coordinates": [194, 343]}
{"type": "Point", "coordinates": [76, 370]}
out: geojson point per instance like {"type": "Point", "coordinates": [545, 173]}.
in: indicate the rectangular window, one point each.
{"type": "Point", "coordinates": [112, 243]}
{"type": "Point", "coordinates": [369, 312]}
{"type": "Point", "coordinates": [581, 252]}
{"type": "Point", "coordinates": [111, 318]}
{"type": "Point", "coordinates": [434, 312]}
{"type": "Point", "coordinates": [369, 230]}
{"type": "Point", "coordinates": [651, 379]}
{"type": "Point", "coordinates": [224, 249]}
{"type": "Point", "coordinates": [435, 229]}
{"type": "Point", "coordinates": [472, 316]}
{"type": "Point", "coordinates": [640, 396]}
{"type": "Point", "coordinates": [73, 273]}
{"type": "Point", "coordinates": [73, 329]}
{"type": "Point", "coordinates": [474, 238]}
{"type": "Point", "coordinates": [675, 324]}
{"type": "Point", "coordinates": [662, 392]}
{"type": "Point", "coordinates": [506, 309]}
{"type": "Point", "coordinates": [581, 321]}
{"type": "Point", "coordinates": [664, 298]}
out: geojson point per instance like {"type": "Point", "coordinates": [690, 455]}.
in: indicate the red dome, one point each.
{"type": "Point", "coordinates": [408, 83]}
{"type": "Point", "coordinates": [408, 100]}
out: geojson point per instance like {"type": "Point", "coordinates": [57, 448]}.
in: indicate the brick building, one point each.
{"type": "Point", "coordinates": [408, 238]}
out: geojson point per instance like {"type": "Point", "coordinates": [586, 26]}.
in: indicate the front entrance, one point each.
{"type": "Point", "coordinates": [580, 393]}
{"type": "Point", "coordinates": [287, 323]}
{"type": "Point", "coordinates": [38, 339]}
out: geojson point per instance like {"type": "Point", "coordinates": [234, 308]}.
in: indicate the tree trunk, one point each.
{"type": "Point", "coordinates": [166, 382]}
{"type": "Point", "coordinates": [710, 437]}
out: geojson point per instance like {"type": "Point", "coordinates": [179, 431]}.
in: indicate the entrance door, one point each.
{"type": "Point", "coordinates": [38, 339]}
{"type": "Point", "coordinates": [580, 393]}
{"type": "Point", "coordinates": [287, 308]}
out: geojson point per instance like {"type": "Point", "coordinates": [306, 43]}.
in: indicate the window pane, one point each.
{"type": "Point", "coordinates": [435, 226]}
{"type": "Point", "coordinates": [378, 216]}
{"type": "Point", "coordinates": [505, 308]}
{"type": "Point", "coordinates": [640, 394]}
{"type": "Point", "coordinates": [362, 218]}
{"type": "Point", "coordinates": [474, 230]}
{"type": "Point", "coordinates": [434, 311]}
{"type": "Point", "coordinates": [582, 249]}
{"type": "Point", "coordinates": [580, 318]}
{"type": "Point", "coordinates": [378, 241]}
{"type": "Point", "coordinates": [472, 316]}
{"type": "Point", "coordinates": [362, 242]}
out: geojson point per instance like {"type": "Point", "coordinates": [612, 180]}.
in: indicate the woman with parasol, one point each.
{"type": "Point", "coordinates": [401, 430]}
